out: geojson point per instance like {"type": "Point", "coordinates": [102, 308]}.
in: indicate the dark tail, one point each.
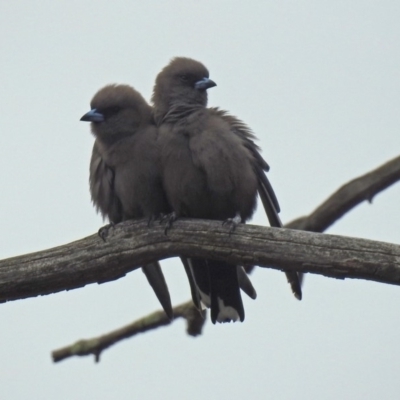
{"type": "Point", "coordinates": [244, 283]}
{"type": "Point", "coordinates": [157, 281]}
{"type": "Point", "coordinates": [218, 287]}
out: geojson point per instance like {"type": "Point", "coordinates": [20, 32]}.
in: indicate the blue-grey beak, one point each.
{"type": "Point", "coordinates": [93, 116]}
{"type": "Point", "coordinates": [204, 84]}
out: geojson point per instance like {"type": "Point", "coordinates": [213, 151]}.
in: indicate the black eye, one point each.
{"type": "Point", "coordinates": [184, 78]}
{"type": "Point", "coordinates": [109, 112]}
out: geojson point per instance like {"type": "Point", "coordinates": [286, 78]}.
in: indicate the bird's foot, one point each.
{"type": "Point", "coordinates": [168, 220]}
{"type": "Point", "coordinates": [233, 223]}
{"type": "Point", "coordinates": [104, 231]}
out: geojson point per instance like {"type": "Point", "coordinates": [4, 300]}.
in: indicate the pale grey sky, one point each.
{"type": "Point", "coordinates": [319, 83]}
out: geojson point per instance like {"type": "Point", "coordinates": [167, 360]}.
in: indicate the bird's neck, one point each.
{"type": "Point", "coordinates": [175, 112]}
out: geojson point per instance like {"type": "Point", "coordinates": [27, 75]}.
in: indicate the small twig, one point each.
{"type": "Point", "coordinates": [95, 346]}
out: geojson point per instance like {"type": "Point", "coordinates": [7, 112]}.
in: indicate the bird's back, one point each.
{"type": "Point", "coordinates": [208, 172]}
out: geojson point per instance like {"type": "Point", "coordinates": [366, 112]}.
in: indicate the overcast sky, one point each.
{"type": "Point", "coordinates": [318, 81]}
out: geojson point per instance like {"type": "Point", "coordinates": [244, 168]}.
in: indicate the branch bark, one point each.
{"type": "Point", "coordinates": [342, 201]}
{"type": "Point", "coordinates": [133, 243]}
{"type": "Point", "coordinates": [90, 260]}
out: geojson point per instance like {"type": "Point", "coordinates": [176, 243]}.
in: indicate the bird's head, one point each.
{"type": "Point", "coordinates": [183, 82]}
{"type": "Point", "coordinates": [117, 111]}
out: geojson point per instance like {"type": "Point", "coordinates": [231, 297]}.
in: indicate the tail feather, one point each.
{"type": "Point", "coordinates": [156, 279]}
{"type": "Point", "coordinates": [226, 302]}
{"type": "Point", "coordinates": [193, 288]}
{"type": "Point", "coordinates": [217, 283]}
{"type": "Point", "coordinates": [201, 276]}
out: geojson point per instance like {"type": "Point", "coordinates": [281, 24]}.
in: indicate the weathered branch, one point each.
{"type": "Point", "coordinates": [90, 260]}
{"type": "Point", "coordinates": [133, 243]}
{"type": "Point", "coordinates": [342, 201]}
{"type": "Point", "coordinates": [95, 346]}
{"type": "Point", "coordinates": [348, 196]}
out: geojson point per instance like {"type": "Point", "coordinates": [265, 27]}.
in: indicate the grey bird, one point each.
{"type": "Point", "coordinates": [211, 169]}
{"type": "Point", "coordinates": [125, 179]}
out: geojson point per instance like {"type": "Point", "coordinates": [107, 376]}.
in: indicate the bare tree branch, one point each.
{"type": "Point", "coordinates": [348, 196]}
{"type": "Point", "coordinates": [133, 243]}
{"type": "Point", "coordinates": [195, 323]}
{"type": "Point", "coordinates": [341, 202]}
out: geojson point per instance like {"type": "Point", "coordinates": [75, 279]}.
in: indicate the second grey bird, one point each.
{"type": "Point", "coordinates": [211, 169]}
{"type": "Point", "coordinates": [125, 180]}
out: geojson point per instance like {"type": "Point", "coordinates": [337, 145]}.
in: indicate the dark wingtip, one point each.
{"type": "Point", "coordinates": [295, 284]}
{"type": "Point", "coordinates": [245, 283]}
{"type": "Point", "coordinates": [156, 279]}
{"type": "Point", "coordinates": [298, 295]}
